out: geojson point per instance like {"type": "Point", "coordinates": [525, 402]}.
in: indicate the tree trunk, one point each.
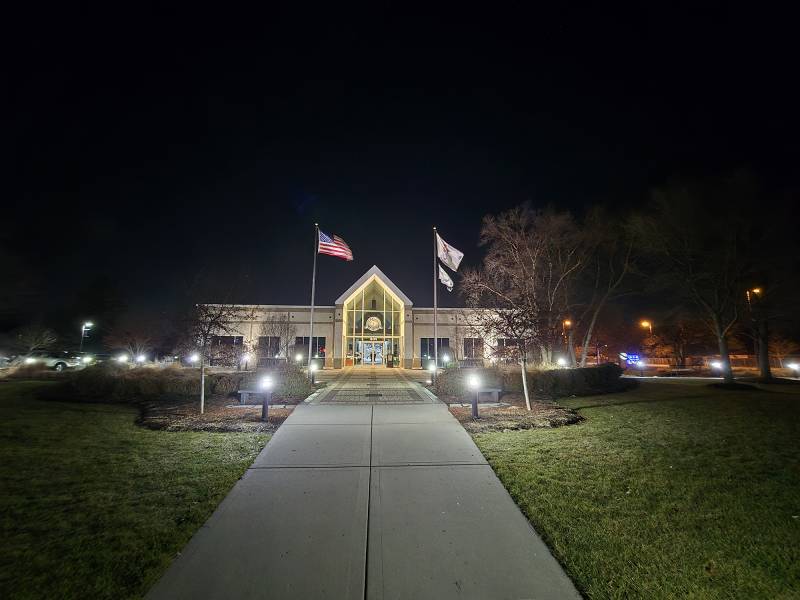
{"type": "Point", "coordinates": [571, 348]}
{"type": "Point", "coordinates": [724, 355]}
{"type": "Point", "coordinates": [524, 364]}
{"type": "Point", "coordinates": [587, 338]}
{"type": "Point", "coordinates": [203, 380]}
{"type": "Point", "coordinates": [763, 350]}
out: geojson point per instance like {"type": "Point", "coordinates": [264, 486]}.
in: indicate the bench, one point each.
{"type": "Point", "coordinates": [495, 392]}
{"type": "Point", "coordinates": [244, 396]}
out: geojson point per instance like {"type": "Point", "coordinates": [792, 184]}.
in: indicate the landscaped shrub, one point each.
{"type": "Point", "coordinates": [544, 384]}
{"type": "Point", "coordinates": [119, 383]}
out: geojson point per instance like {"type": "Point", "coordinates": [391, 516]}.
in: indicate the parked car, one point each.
{"type": "Point", "coordinates": [55, 360]}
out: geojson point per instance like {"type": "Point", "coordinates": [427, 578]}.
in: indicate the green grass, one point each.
{"type": "Point", "coordinates": [672, 490]}
{"type": "Point", "coordinates": [94, 506]}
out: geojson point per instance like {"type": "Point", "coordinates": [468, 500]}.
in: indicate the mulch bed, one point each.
{"type": "Point", "coordinates": [221, 415]}
{"type": "Point", "coordinates": [514, 417]}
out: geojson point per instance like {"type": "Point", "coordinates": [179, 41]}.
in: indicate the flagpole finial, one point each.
{"type": "Point", "coordinates": [316, 224]}
{"type": "Point", "coordinates": [434, 227]}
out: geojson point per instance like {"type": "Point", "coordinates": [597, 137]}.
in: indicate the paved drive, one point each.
{"type": "Point", "coordinates": [358, 498]}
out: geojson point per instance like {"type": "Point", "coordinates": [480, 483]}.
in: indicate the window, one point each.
{"type": "Point", "coordinates": [427, 351]}
{"type": "Point", "coordinates": [269, 346]}
{"type": "Point", "coordinates": [318, 348]}
{"type": "Point", "coordinates": [473, 348]}
{"type": "Point", "coordinates": [227, 340]}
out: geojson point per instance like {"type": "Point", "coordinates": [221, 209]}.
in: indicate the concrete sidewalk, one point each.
{"type": "Point", "coordinates": [367, 501]}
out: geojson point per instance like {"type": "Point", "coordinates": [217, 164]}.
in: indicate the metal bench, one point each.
{"type": "Point", "coordinates": [495, 392]}
{"type": "Point", "coordinates": [244, 396]}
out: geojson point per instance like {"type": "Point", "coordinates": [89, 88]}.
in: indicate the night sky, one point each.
{"type": "Point", "coordinates": [153, 149]}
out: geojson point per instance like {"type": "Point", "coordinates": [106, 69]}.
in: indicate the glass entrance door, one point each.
{"type": "Point", "coordinates": [372, 353]}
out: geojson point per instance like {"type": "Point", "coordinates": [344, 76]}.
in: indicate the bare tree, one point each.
{"type": "Point", "coordinates": [782, 347]}
{"type": "Point", "coordinates": [698, 250]}
{"type": "Point", "coordinates": [33, 338]}
{"type": "Point", "coordinates": [504, 288]}
{"type": "Point", "coordinates": [608, 265]}
{"type": "Point", "coordinates": [208, 321]}
{"type": "Point", "coordinates": [131, 337]}
{"type": "Point", "coordinates": [281, 327]}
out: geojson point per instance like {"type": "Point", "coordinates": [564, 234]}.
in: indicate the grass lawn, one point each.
{"type": "Point", "coordinates": [94, 506]}
{"type": "Point", "coordinates": [673, 490]}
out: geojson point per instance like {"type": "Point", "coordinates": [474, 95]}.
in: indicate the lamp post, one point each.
{"type": "Point", "coordinates": [85, 330]}
{"type": "Point", "coordinates": [647, 325]}
{"type": "Point", "coordinates": [432, 370]}
{"type": "Point", "coordinates": [266, 385]}
{"type": "Point", "coordinates": [474, 383]}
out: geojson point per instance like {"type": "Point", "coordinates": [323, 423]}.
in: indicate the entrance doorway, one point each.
{"type": "Point", "coordinates": [372, 353]}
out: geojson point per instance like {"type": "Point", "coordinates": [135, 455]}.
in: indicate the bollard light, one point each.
{"type": "Point", "coordinates": [474, 383]}
{"type": "Point", "coordinates": [122, 358]}
{"type": "Point", "coordinates": [266, 385]}
{"type": "Point", "coordinates": [298, 357]}
{"type": "Point", "coordinates": [194, 358]}
{"type": "Point", "coordinates": [87, 359]}
{"type": "Point", "coordinates": [313, 368]}
{"type": "Point", "coordinates": [141, 358]}
{"type": "Point", "coordinates": [561, 362]}
{"type": "Point", "coordinates": [716, 364]}
{"type": "Point", "coordinates": [30, 360]}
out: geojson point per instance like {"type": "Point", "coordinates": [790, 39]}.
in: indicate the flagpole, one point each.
{"type": "Point", "coordinates": [313, 286]}
{"type": "Point", "coordinates": [435, 315]}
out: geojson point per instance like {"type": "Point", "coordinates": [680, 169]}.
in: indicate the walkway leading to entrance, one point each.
{"type": "Point", "coordinates": [367, 500]}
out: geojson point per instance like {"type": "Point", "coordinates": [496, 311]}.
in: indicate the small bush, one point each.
{"type": "Point", "coordinates": [545, 384]}
{"type": "Point", "coordinates": [30, 372]}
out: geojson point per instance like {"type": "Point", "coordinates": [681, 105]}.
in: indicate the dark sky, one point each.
{"type": "Point", "coordinates": [154, 147]}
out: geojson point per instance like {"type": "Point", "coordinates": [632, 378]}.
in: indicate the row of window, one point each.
{"type": "Point", "coordinates": [270, 346]}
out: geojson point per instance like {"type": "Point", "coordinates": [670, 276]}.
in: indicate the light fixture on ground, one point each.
{"type": "Point", "coordinates": [716, 364]}
{"type": "Point", "coordinates": [87, 359]}
{"type": "Point", "coordinates": [141, 358]}
{"type": "Point", "coordinates": [30, 361]}
{"type": "Point", "coordinates": [122, 358]}
{"type": "Point", "coordinates": [794, 367]}
{"type": "Point", "coordinates": [193, 358]}
{"type": "Point", "coordinates": [474, 383]}
{"type": "Point", "coordinates": [265, 384]}
{"type": "Point", "coordinates": [312, 368]}
{"type": "Point", "coordinates": [246, 358]}
{"type": "Point", "coordinates": [562, 362]}
{"type": "Point", "coordinates": [432, 370]}
{"type": "Point", "coordinates": [298, 358]}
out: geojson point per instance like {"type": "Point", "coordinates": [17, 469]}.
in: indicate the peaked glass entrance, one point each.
{"type": "Point", "coordinates": [373, 326]}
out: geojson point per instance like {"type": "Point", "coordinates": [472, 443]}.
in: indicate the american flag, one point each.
{"type": "Point", "coordinates": [335, 247]}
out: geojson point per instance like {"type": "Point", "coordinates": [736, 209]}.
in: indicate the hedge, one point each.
{"type": "Point", "coordinates": [112, 383]}
{"type": "Point", "coordinates": [544, 384]}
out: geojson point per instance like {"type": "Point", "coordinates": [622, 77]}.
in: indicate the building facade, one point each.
{"type": "Point", "coordinates": [373, 323]}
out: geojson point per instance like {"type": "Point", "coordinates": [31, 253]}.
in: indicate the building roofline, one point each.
{"type": "Point", "coordinates": [376, 272]}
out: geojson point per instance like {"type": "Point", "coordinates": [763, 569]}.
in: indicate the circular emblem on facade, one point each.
{"type": "Point", "coordinates": [373, 324]}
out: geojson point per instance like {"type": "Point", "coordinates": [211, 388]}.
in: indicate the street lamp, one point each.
{"type": "Point", "coordinates": [246, 359]}
{"type": "Point", "coordinates": [794, 367]}
{"type": "Point", "coordinates": [474, 383]}
{"type": "Point", "coordinates": [266, 385]}
{"type": "Point", "coordinates": [647, 325]}
{"type": "Point", "coordinates": [84, 331]}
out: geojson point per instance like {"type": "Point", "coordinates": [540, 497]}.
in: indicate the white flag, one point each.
{"type": "Point", "coordinates": [445, 279]}
{"type": "Point", "coordinates": [447, 254]}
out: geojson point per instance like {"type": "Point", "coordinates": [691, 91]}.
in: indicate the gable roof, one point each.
{"type": "Point", "coordinates": [374, 273]}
